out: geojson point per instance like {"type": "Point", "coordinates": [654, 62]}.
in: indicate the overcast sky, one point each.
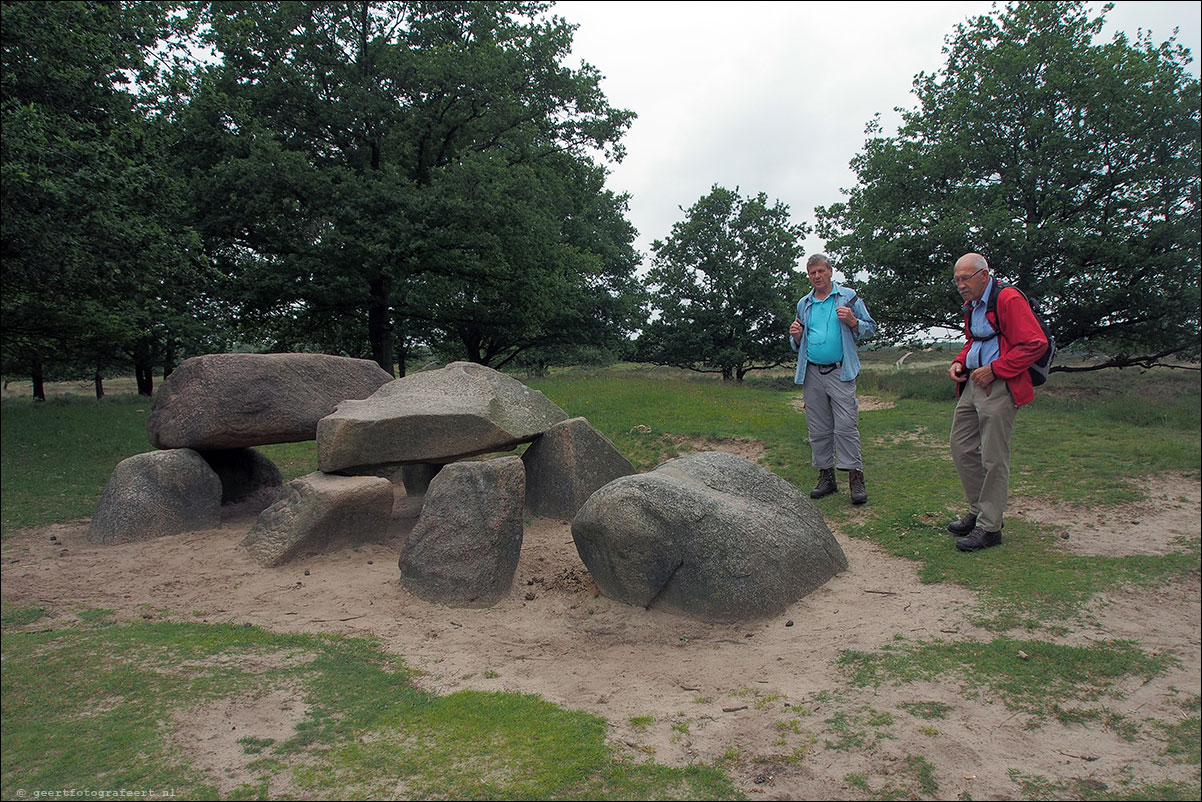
{"type": "Point", "coordinates": [773, 97]}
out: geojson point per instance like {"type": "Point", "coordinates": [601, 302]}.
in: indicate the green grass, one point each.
{"type": "Point", "coordinates": [366, 731]}
{"type": "Point", "coordinates": [1086, 442]}
{"type": "Point", "coordinates": [1038, 787]}
{"type": "Point", "coordinates": [859, 729]}
{"type": "Point", "coordinates": [670, 404]}
{"type": "Point", "coordinates": [1036, 677]}
{"type": "Point", "coordinates": [18, 616]}
{"type": "Point", "coordinates": [1181, 740]}
{"type": "Point", "coordinates": [58, 455]}
{"type": "Point", "coordinates": [926, 710]}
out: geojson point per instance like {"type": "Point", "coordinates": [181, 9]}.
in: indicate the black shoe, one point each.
{"type": "Point", "coordinates": [979, 539]}
{"type": "Point", "coordinates": [963, 526]}
{"type": "Point", "coordinates": [826, 483]}
{"type": "Point", "coordinates": [855, 480]}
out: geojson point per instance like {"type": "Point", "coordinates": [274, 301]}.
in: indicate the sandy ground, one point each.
{"type": "Point", "coordinates": [769, 693]}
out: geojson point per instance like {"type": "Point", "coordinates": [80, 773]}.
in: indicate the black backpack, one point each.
{"type": "Point", "coordinates": [1039, 370]}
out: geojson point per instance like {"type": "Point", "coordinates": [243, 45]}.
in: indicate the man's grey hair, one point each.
{"type": "Point", "coordinates": [817, 259]}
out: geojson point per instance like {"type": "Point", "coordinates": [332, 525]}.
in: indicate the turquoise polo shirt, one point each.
{"type": "Point", "coordinates": [824, 343]}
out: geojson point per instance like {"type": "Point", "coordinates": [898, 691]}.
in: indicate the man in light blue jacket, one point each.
{"type": "Point", "coordinates": [830, 321]}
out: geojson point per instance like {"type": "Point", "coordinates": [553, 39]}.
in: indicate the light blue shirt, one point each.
{"type": "Point", "coordinates": [982, 352]}
{"type": "Point", "coordinates": [848, 338]}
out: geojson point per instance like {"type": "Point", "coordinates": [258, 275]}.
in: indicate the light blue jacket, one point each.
{"type": "Point", "coordinates": [851, 360]}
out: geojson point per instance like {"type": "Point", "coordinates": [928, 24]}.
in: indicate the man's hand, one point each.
{"type": "Point", "coordinates": [795, 332]}
{"type": "Point", "coordinates": [956, 372]}
{"type": "Point", "coordinates": [848, 318]}
{"type": "Point", "coordinates": [983, 378]}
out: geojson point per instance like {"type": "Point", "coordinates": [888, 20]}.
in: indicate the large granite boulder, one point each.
{"type": "Point", "coordinates": [436, 416]}
{"type": "Point", "coordinates": [224, 401]}
{"type": "Point", "coordinates": [157, 493]}
{"type": "Point", "coordinates": [464, 549]}
{"type": "Point", "coordinates": [565, 466]}
{"type": "Point", "coordinates": [710, 535]}
{"type": "Point", "coordinates": [244, 472]}
{"type": "Point", "coordinates": [320, 513]}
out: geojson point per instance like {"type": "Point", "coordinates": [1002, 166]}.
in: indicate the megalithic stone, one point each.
{"type": "Point", "coordinates": [710, 535]}
{"type": "Point", "coordinates": [221, 401]}
{"type": "Point", "coordinates": [436, 416]}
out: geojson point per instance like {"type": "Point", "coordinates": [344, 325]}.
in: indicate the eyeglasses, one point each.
{"type": "Point", "coordinates": [961, 281]}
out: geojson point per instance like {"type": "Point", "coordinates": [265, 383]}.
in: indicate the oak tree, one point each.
{"type": "Point", "coordinates": [1072, 165]}
{"type": "Point", "coordinates": [723, 286]}
{"type": "Point", "coordinates": [410, 171]}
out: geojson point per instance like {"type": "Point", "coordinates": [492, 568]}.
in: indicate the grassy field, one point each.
{"type": "Point", "coordinates": [1084, 444]}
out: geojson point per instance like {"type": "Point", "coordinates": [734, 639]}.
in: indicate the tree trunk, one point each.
{"type": "Point", "coordinates": [402, 350]}
{"type": "Point", "coordinates": [145, 377]}
{"type": "Point", "coordinates": [98, 381]}
{"type": "Point", "coordinates": [39, 381]}
{"type": "Point", "coordinates": [379, 324]}
{"type": "Point", "coordinates": [472, 342]}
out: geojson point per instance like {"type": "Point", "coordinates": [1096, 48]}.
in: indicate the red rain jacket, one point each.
{"type": "Point", "coordinates": [1020, 340]}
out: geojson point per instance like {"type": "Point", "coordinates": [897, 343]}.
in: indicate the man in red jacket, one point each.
{"type": "Point", "coordinates": [992, 381]}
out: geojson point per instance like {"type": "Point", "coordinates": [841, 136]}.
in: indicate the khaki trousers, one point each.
{"type": "Point", "coordinates": [833, 420]}
{"type": "Point", "coordinates": [980, 440]}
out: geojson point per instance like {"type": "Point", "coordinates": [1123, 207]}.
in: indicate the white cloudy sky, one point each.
{"type": "Point", "coordinates": [773, 97]}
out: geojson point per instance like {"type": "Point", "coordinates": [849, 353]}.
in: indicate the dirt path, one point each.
{"type": "Point", "coordinates": [767, 692]}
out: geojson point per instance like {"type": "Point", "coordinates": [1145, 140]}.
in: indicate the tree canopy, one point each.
{"type": "Point", "coordinates": [724, 284]}
{"type": "Point", "coordinates": [410, 171]}
{"type": "Point", "coordinates": [99, 266]}
{"type": "Point", "coordinates": [369, 178]}
{"type": "Point", "coordinates": [1072, 166]}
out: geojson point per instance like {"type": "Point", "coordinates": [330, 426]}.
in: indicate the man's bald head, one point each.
{"type": "Point", "coordinates": [972, 262]}
{"type": "Point", "coordinates": [971, 275]}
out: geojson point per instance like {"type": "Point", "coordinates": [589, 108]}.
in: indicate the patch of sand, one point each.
{"type": "Point", "coordinates": [223, 738]}
{"type": "Point", "coordinates": [769, 693]}
{"type": "Point", "coordinates": [1158, 525]}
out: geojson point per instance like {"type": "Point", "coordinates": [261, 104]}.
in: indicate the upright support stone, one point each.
{"type": "Point", "coordinates": [157, 493]}
{"type": "Point", "coordinates": [321, 513]}
{"type": "Point", "coordinates": [464, 549]}
{"type": "Point", "coordinates": [570, 462]}
{"type": "Point", "coordinates": [710, 535]}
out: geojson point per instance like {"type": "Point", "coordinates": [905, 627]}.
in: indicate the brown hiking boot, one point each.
{"type": "Point", "coordinates": [826, 483]}
{"type": "Point", "coordinates": [855, 480]}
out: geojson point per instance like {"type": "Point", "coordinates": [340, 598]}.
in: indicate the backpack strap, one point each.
{"type": "Point", "coordinates": [1039, 370]}
{"type": "Point", "coordinates": [991, 305]}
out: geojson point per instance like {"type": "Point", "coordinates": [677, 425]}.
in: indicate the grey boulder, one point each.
{"type": "Point", "coordinates": [565, 466]}
{"type": "Point", "coordinates": [319, 513]}
{"type": "Point", "coordinates": [436, 416]}
{"type": "Point", "coordinates": [157, 493]}
{"type": "Point", "coordinates": [221, 401]}
{"type": "Point", "coordinates": [464, 549]}
{"type": "Point", "coordinates": [709, 535]}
